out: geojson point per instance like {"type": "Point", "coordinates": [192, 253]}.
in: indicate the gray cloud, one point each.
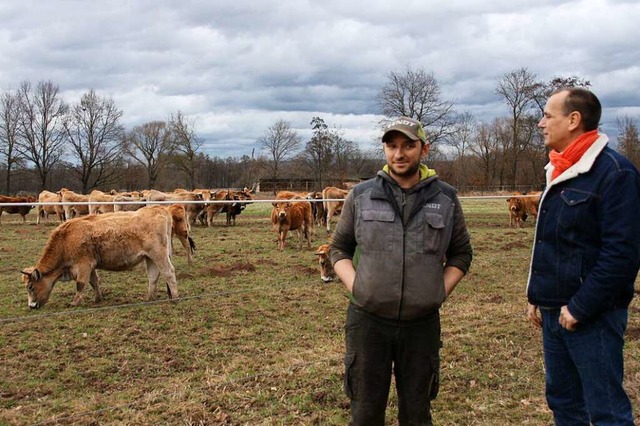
{"type": "Point", "coordinates": [237, 67]}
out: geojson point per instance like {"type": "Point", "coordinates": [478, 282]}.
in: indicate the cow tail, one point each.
{"type": "Point", "coordinates": [192, 244]}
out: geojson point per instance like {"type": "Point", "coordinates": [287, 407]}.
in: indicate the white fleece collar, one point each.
{"type": "Point", "coordinates": [582, 166]}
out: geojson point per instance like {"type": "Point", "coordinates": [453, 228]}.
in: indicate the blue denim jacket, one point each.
{"type": "Point", "coordinates": [586, 251]}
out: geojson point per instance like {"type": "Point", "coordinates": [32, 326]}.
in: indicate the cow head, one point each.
{"type": "Point", "coordinates": [281, 210]}
{"type": "Point", "coordinates": [327, 274]}
{"type": "Point", "coordinates": [517, 207]}
{"type": "Point", "coordinates": [38, 288]}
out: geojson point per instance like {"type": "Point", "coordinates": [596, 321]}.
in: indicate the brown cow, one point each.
{"type": "Point", "coordinates": [112, 242]}
{"type": "Point", "coordinates": [134, 199]}
{"type": "Point", "coordinates": [44, 211]}
{"type": "Point", "coordinates": [192, 209]}
{"type": "Point", "coordinates": [100, 197]}
{"type": "Point", "coordinates": [21, 210]}
{"type": "Point", "coordinates": [292, 216]}
{"type": "Point", "coordinates": [214, 208]}
{"type": "Point", "coordinates": [333, 207]}
{"type": "Point", "coordinates": [521, 206]}
{"type": "Point", "coordinates": [74, 210]}
{"type": "Point", "coordinates": [327, 273]}
{"type": "Point", "coordinates": [180, 229]}
{"type": "Point", "coordinates": [231, 209]}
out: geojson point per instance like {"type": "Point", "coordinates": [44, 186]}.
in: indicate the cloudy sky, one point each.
{"type": "Point", "coordinates": [236, 67]}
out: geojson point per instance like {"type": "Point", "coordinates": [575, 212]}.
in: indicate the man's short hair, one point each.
{"type": "Point", "coordinates": [586, 103]}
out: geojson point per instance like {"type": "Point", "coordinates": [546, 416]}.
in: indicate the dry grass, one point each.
{"type": "Point", "coordinates": [258, 338]}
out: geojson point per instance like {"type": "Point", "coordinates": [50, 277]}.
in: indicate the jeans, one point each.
{"type": "Point", "coordinates": [584, 370]}
{"type": "Point", "coordinates": [374, 348]}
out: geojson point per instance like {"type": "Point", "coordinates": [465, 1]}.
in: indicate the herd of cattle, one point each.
{"type": "Point", "coordinates": [117, 231]}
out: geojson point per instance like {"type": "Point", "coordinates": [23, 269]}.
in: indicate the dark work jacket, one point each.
{"type": "Point", "coordinates": [586, 250]}
{"type": "Point", "coordinates": [402, 254]}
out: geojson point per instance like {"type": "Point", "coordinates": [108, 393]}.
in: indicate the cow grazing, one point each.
{"type": "Point", "coordinates": [112, 242]}
{"type": "Point", "coordinates": [74, 210]}
{"type": "Point", "coordinates": [333, 208]}
{"type": "Point", "coordinates": [21, 210]}
{"type": "Point", "coordinates": [292, 216]}
{"type": "Point", "coordinates": [46, 210]}
{"type": "Point", "coordinates": [327, 274]}
{"type": "Point", "coordinates": [521, 206]}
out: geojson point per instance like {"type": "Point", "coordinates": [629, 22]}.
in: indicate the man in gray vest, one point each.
{"type": "Point", "coordinates": [413, 248]}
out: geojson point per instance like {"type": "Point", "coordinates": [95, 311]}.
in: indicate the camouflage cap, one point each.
{"type": "Point", "coordinates": [407, 126]}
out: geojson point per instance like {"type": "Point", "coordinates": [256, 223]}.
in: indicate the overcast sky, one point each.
{"type": "Point", "coordinates": [236, 67]}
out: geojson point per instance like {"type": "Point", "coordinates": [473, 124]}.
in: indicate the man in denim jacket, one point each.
{"type": "Point", "coordinates": [584, 264]}
{"type": "Point", "coordinates": [413, 249]}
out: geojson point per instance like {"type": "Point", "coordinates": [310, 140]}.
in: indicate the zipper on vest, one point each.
{"type": "Point", "coordinates": [404, 251]}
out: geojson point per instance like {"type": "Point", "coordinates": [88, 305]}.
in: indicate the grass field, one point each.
{"type": "Point", "coordinates": [257, 338]}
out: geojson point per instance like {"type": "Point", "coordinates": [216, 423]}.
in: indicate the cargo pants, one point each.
{"type": "Point", "coordinates": [376, 348]}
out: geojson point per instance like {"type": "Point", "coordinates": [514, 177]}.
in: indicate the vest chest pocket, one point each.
{"type": "Point", "coordinates": [376, 230]}
{"type": "Point", "coordinates": [433, 232]}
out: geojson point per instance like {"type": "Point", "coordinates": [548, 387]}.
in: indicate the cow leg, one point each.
{"type": "Point", "coordinates": [94, 280]}
{"type": "Point", "coordinates": [81, 281]}
{"type": "Point", "coordinates": [329, 214]}
{"type": "Point", "coordinates": [164, 267]}
{"type": "Point", "coordinates": [307, 234]}
{"type": "Point", "coordinates": [187, 247]}
{"type": "Point", "coordinates": [153, 274]}
{"type": "Point", "coordinates": [300, 237]}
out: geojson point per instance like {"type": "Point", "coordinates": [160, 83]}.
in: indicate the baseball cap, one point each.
{"type": "Point", "coordinates": [407, 126]}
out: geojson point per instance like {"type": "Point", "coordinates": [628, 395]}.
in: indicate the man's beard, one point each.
{"type": "Point", "coordinates": [411, 171]}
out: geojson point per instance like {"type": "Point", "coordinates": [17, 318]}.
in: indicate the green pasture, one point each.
{"type": "Point", "coordinates": [257, 337]}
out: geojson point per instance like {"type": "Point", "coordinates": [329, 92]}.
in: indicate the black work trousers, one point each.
{"type": "Point", "coordinates": [376, 347]}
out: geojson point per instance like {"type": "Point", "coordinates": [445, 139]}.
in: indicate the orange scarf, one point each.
{"type": "Point", "coordinates": [561, 161]}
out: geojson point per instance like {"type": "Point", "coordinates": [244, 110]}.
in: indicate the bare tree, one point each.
{"type": "Point", "coordinates": [629, 138]}
{"type": "Point", "coordinates": [319, 151]}
{"type": "Point", "coordinates": [95, 137]}
{"type": "Point", "coordinates": [464, 132]}
{"type": "Point", "coordinates": [519, 89]}
{"type": "Point", "coordinates": [544, 90]}
{"type": "Point", "coordinates": [150, 145]}
{"type": "Point", "coordinates": [416, 94]}
{"type": "Point", "coordinates": [347, 156]}
{"type": "Point", "coordinates": [9, 127]}
{"type": "Point", "coordinates": [485, 146]}
{"type": "Point", "coordinates": [186, 144]}
{"type": "Point", "coordinates": [42, 113]}
{"type": "Point", "coordinates": [280, 142]}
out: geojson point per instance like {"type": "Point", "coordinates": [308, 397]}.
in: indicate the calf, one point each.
{"type": "Point", "coordinates": [292, 216]}
{"type": "Point", "coordinates": [112, 242]}
{"type": "Point", "coordinates": [21, 210]}
{"type": "Point", "coordinates": [327, 274]}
